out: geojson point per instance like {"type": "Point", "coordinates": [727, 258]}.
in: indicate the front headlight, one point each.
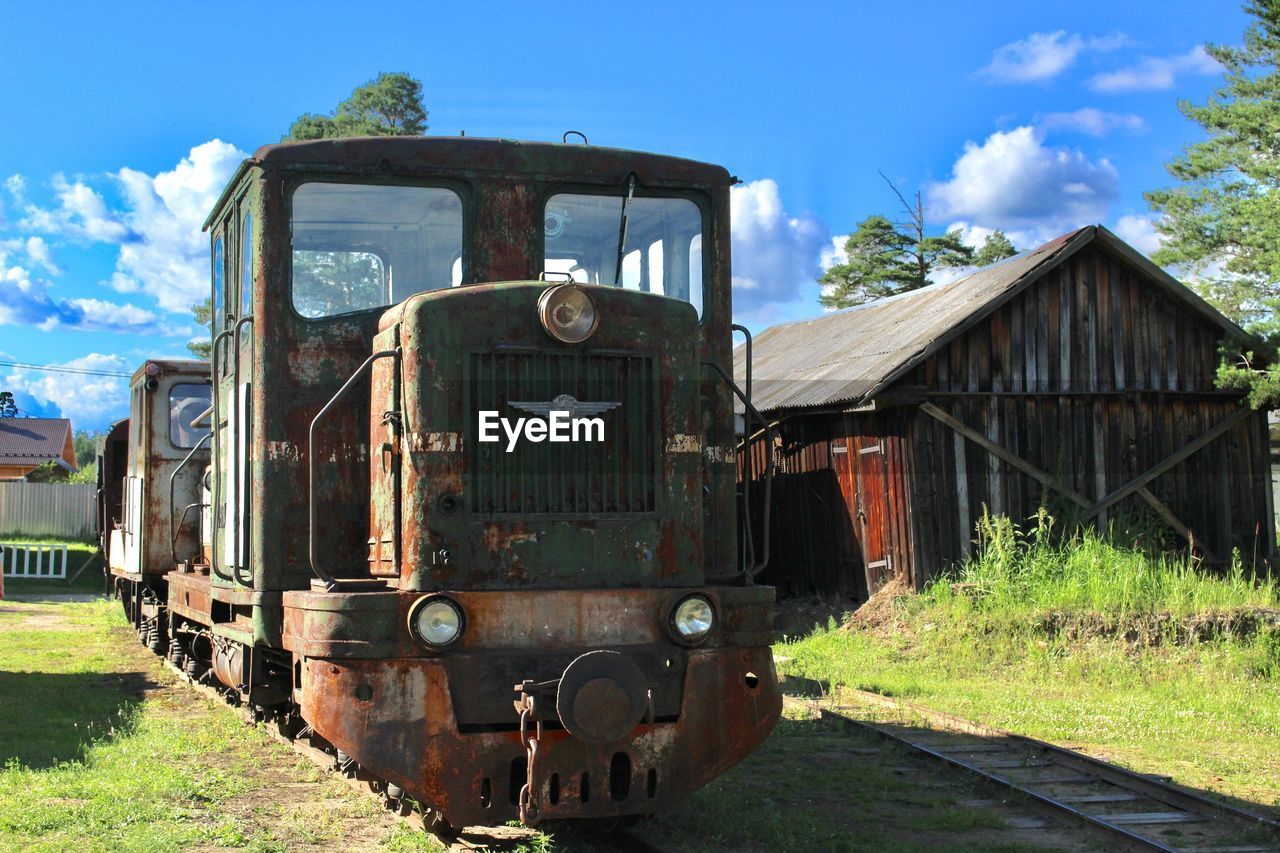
{"type": "Point", "coordinates": [693, 618]}
{"type": "Point", "coordinates": [568, 313]}
{"type": "Point", "coordinates": [436, 621]}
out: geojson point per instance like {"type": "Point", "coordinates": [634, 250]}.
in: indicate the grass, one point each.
{"type": "Point", "coordinates": [88, 581]}
{"type": "Point", "coordinates": [1151, 661]}
{"type": "Point", "coordinates": [101, 751]}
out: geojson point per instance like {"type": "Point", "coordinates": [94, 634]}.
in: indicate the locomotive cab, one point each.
{"type": "Point", "coordinates": [473, 510]}
{"type": "Point", "coordinates": [155, 515]}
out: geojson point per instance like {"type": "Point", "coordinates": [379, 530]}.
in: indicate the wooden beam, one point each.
{"type": "Point", "coordinates": [1173, 521]}
{"type": "Point", "coordinates": [1169, 461]}
{"type": "Point", "coordinates": [1008, 456]}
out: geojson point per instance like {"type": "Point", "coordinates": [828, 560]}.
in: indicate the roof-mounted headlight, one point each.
{"type": "Point", "coordinates": [436, 621]}
{"type": "Point", "coordinates": [568, 313]}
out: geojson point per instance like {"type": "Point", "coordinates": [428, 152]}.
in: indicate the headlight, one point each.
{"type": "Point", "coordinates": [693, 618]}
{"type": "Point", "coordinates": [567, 313]}
{"type": "Point", "coordinates": [436, 621]}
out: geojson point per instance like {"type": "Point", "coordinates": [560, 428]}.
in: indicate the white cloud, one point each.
{"type": "Point", "coordinates": [1093, 122]}
{"type": "Point", "coordinates": [1033, 192]}
{"type": "Point", "coordinates": [25, 301]}
{"type": "Point", "coordinates": [1139, 232]}
{"type": "Point", "coordinates": [38, 252]}
{"type": "Point", "coordinates": [776, 256]}
{"type": "Point", "coordinates": [1156, 72]}
{"type": "Point", "coordinates": [162, 251]}
{"type": "Point", "coordinates": [90, 401]}
{"type": "Point", "coordinates": [1043, 56]}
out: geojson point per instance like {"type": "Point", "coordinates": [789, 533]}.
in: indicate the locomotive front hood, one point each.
{"type": "Point", "coordinates": [525, 460]}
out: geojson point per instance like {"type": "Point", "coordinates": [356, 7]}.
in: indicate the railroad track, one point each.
{"type": "Point", "coordinates": [1118, 807]}
{"type": "Point", "coordinates": [471, 838]}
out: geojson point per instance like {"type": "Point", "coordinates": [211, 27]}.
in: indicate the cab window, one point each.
{"type": "Point", "coordinates": [187, 400]}
{"type": "Point", "coordinates": [663, 251]}
{"type": "Point", "coordinates": [363, 246]}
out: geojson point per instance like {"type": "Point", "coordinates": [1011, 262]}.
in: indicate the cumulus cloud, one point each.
{"type": "Point", "coordinates": [1093, 122]}
{"type": "Point", "coordinates": [157, 226]}
{"type": "Point", "coordinates": [1031, 191]}
{"type": "Point", "coordinates": [1139, 232]}
{"type": "Point", "coordinates": [1156, 72]}
{"type": "Point", "coordinates": [1043, 56]}
{"type": "Point", "coordinates": [776, 256]}
{"type": "Point", "coordinates": [90, 401]}
{"type": "Point", "coordinates": [25, 300]}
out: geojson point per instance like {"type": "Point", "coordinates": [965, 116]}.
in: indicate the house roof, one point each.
{"type": "Point", "coordinates": [844, 358]}
{"type": "Point", "coordinates": [31, 441]}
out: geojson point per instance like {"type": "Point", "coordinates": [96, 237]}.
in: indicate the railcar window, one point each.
{"type": "Point", "coordinates": [361, 246]}
{"type": "Point", "coordinates": [663, 252]}
{"type": "Point", "coordinates": [246, 273]}
{"type": "Point", "coordinates": [186, 401]}
{"type": "Point", "coordinates": [215, 317]}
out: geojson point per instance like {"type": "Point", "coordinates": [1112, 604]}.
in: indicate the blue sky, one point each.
{"type": "Point", "coordinates": [122, 121]}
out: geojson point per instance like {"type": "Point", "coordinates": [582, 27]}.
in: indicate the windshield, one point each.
{"type": "Point", "coordinates": [663, 251]}
{"type": "Point", "coordinates": [362, 246]}
{"type": "Point", "coordinates": [187, 400]}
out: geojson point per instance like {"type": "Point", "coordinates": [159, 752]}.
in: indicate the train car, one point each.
{"type": "Point", "coordinates": [472, 518]}
{"type": "Point", "coordinates": [152, 508]}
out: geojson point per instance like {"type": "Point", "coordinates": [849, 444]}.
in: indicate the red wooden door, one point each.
{"type": "Point", "coordinates": [872, 509]}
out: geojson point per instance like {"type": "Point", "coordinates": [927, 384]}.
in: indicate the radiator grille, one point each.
{"type": "Point", "coordinates": [615, 476]}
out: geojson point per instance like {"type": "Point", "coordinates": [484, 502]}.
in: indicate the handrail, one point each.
{"type": "Point", "coordinates": [217, 455]}
{"type": "Point", "coordinates": [240, 438]}
{"type": "Point", "coordinates": [330, 583]}
{"type": "Point", "coordinates": [173, 541]}
{"type": "Point", "coordinates": [755, 567]}
{"type": "Point", "coordinates": [173, 532]}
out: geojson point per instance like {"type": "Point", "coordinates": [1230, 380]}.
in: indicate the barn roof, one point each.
{"type": "Point", "coordinates": [31, 441]}
{"type": "Point", "coordinates": [845, 358]}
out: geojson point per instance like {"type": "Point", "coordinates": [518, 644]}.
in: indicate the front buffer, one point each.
{"type": "Point", "coordinates": [517, 721]}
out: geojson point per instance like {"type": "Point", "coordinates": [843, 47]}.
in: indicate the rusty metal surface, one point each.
{"type": "Point", "coordinates": [846, 357]}
{"type": "Point", "coordinates": [407, 501]}
{"type": "Point", "coordinates": [407, 729]}
{"type": "Point", "coordinates": [152, 458]}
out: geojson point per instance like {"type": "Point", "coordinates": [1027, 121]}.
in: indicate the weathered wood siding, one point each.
{"type": "Point", "coordinates": [1093, 375]}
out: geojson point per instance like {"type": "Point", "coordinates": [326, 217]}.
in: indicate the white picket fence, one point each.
{"type": "Point", "coordinates": [34, 560]}
{"type": "Point", "coordinates": [56, 510]}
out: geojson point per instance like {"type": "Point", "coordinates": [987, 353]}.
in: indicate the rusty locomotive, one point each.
{"type": "Point", "coordinates": [327, 520]}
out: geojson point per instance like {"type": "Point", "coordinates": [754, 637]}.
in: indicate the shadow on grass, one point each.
{"type": "Point", "coordinates": [48, 718]}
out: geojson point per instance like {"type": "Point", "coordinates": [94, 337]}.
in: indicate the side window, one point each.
{"type": "Point", "coordinates": [219, 287]}
{"type": "Point", "coordinates": [246, 270]}
{"type": "Point", "coordinates": [186, 401]}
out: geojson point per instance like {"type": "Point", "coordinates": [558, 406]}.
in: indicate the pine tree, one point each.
{"type": "Point", "coordinates": [995, 248]}
{"type": "Point", "coordinates": [388, 105]}
{"type": "Point", "coordinates": [1221, 223]}
{"type": "Point", "coordinates": [885, 258]}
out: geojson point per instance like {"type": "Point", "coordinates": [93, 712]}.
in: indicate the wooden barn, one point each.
{"type": "Point", "coordinates": [1078, 377]}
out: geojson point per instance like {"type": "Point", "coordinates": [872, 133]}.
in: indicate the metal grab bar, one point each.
{"type": "Point", "coordinates": [173, 475]}
{"type": "Point", "coordinates": [330, 583]}
{"type": "Point", "coordinates": [241, 436]}
{"type": "Point", "coordinates": [755, 567]}
{"type": "Point", "coordinates": [173, 542]}
{"type": "Point", "coordinates": [216, 428]}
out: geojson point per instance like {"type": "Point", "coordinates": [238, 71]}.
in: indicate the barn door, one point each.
{"type": "Point", "coordinates": [871, 514]}
{"type": "Point", "coordinates": [848, 541]}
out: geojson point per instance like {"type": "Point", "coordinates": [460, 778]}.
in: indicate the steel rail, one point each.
{"type": "Point", "coordinates": [1144, 787]}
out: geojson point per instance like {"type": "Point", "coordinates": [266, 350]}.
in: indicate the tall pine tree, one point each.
{"type": "Point", "coordinates": [884, 258]}
{"type": "Point", "coordinates": [1221, 223]}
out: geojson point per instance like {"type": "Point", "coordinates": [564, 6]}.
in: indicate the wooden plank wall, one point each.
{"type": "Point", "coordinates": [1094, 375]}
{"type": "Point", "coordinates": [811, 537]}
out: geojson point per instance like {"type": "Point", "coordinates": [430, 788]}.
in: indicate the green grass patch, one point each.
{"type": "Point", "coordinates": [88, 581]}
{"type": "Point", "coordinates": [1150, 660]}
{"type": "Point", "coordinates": [101, 750]}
